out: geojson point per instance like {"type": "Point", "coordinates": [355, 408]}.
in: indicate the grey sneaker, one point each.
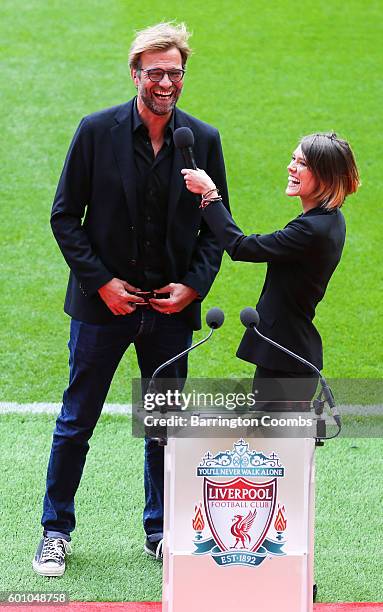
{"type": "Point", "coordinates": [154, 549]}
{"type": "Point", "coordinates": [50, 556]}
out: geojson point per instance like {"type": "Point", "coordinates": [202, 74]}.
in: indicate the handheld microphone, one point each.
{"type": "Point", "coordinates": [214, 319]}
{"type": "Point", "coordinates": [250, 319]}
{"type": "Point", "coordinates": [183, 139]}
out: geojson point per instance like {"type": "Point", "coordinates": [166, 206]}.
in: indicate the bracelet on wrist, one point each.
{"type": "Point", "coordinates": [206, 201]}
{"type": "Point", "coordinates": [205, 195]}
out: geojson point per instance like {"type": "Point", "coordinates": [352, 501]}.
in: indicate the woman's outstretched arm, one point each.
{"type": "Point", "coordinates": [288, 244]}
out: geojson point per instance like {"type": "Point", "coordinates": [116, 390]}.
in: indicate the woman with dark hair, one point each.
{"type": "Point", "coordinates": [301, 259]}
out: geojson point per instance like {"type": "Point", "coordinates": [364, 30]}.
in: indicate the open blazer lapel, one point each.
{"type": "Point", "coordinates": [124, 152]}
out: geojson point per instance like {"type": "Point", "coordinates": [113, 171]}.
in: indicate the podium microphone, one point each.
{"type": "Point", "coordinates": [214, 319]}
{"type": "Point", "coordinates": [250, 319]}
{"type": "Point", "coordinates": [183, 139]}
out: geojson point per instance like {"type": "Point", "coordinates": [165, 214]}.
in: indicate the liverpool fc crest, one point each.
{"type": "Point", "coordinates": [245, 523]}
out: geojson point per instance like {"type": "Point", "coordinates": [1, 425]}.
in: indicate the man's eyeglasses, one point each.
{"type": "Point", "coordinates": [157, 74]}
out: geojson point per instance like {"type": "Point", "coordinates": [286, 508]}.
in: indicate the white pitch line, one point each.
{"type": "Point", "coordinates": [51, 408]}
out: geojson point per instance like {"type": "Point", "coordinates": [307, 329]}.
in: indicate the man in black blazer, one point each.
{"type": "Point", "coordinates": [125, 223]}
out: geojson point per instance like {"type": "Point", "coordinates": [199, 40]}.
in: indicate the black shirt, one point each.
{"type": "Point", "coordinates": [153, 186]}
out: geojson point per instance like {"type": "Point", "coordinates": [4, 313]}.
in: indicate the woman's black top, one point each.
{"type": "Point", "coordinates": [301, 259]}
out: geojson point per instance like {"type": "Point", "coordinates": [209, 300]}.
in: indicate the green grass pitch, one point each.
{"type": "Point", "coordinates": [108, 562]}
{"type": "Point", "coordinates": [264, 74]}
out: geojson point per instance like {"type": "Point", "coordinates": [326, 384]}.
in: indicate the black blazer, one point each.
{"type": "Point", "coordinates": [94, 214]}
{"type": "Point", "coordinates": [301, 259]}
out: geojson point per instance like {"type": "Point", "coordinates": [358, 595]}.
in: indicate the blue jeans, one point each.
{"type": "Point", "coordinates": [94, 354]}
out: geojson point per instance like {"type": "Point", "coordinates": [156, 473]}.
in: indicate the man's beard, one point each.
{"type": "Point", "coordinates": [156, 106]}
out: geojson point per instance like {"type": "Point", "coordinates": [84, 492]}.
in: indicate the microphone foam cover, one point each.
{"type": "Point", "coordinates": [215, 318]}
{"type": "Point", "coordinates": [249, 317]}
{"type": "Point", "coordinates": [183, 138]}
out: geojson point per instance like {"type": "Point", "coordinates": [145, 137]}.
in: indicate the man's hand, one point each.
{"type": "Point", "coordinates": [116, 296]}
{"type": "Point", "coordinates": [180, 297]}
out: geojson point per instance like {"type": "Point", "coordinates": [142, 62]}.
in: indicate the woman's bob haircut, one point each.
{"type": "Point", "coordinates": [332, 162]}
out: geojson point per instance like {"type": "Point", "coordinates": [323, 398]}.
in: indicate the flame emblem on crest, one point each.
{"type": "Point", "coordinates": [198, 523]}
{"type": "Point", "coordinates": [280, 522]}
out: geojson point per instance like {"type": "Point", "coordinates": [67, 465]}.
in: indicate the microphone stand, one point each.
{"type": "Point", "coordinates": [318, 403]}
{"type": "Point", "coordinates": [162, 441]}
{"type": "Point", "coordinates": [151, 386]}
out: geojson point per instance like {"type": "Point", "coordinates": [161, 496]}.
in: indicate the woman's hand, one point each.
{"type": "Point", "coordinates": [197, 181]}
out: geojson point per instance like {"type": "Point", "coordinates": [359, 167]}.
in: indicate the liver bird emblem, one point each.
{"type": "Point", "coordinates": [241, 528]}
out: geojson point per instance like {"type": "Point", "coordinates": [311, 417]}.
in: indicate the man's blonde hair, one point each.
{"type": "Point", "coordinates": [159, 38]}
